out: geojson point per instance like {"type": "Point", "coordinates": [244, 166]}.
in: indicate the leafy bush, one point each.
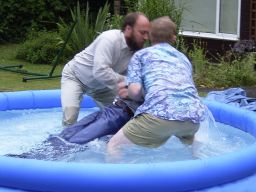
{"type": "Point", "coordinates": [40, 47]}
{"type": "Point", "coordinates": [86, 28]}
{"type": "Point", "coordinates": [115, 22]}
{"type": "Point", "coordinates": [19, 17]}
{"type": "Point", "coordinates": [198, 56]}
{"type": "Point", "coordinates": [157, 8]}
{"type": "Point", "coordinates": [238, 72]}
{"type": "Point", "coordinates": [228, 74]}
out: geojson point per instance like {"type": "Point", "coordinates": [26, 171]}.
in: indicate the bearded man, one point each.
{"type": "Point", "coordinates": [100, 67]}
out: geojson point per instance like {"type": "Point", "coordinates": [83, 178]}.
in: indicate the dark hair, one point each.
{"type": "Point", "coordinates": [130, 19]}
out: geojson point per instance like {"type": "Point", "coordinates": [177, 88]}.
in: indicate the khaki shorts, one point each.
{"type": "Point", "coordinates": [149, 131]}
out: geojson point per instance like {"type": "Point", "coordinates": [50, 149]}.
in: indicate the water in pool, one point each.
{"type": "Point", "coordinates": [25, 132]}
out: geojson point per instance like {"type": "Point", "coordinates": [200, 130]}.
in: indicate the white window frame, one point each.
{"type": "Point", "coordinates": [217, 34]}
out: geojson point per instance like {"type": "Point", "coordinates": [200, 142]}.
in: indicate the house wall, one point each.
{"type": "Point", "coordinates": [253, 19]}
{"type": "Point", "coordinates": [217, 47]}
{"type": "Point", "coordinates": [245, 20]}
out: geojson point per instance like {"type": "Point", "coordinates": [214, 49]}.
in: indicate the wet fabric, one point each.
{"type": "Point", "coordinates": [72, 95]}
{"type": "Point", "coordinates": [233, 96]}
{"type": "Point", "coordinates": [97, 124]}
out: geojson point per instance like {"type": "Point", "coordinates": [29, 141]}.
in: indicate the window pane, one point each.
{"type": "Point", "coordinates": [228, 16]}
{"type": "Point", "coordinates": [199, 16]}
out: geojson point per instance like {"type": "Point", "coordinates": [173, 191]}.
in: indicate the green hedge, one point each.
{"type": "Point", "coordinates": [19, 17]}
{"type": "Point", "coordinates": [40, 47]}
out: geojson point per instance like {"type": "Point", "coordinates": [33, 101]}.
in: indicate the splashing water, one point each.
{"type": "Point", "coordinates": [214, 139]}
{"type": "Point", "coordinates": [23, 131]}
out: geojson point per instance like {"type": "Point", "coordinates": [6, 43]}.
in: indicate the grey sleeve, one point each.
{"type": "Point", "coordinates": [105, 54]}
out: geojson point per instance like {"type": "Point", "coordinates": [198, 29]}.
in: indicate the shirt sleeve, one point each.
{"type": "Point", "coordinates": [134, 74]}
{"type": "Point", "coordinates": [105, 53]}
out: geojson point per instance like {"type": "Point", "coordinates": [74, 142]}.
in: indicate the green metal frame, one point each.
{"type": "Point", "coordinates": [18, 68]}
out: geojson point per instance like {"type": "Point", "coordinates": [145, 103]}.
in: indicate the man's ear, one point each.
{"type": "Point", "coordinates": [128, 29]}
{"type": "Point", "coordinates": [173, 39]}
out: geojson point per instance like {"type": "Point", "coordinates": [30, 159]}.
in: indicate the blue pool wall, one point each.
{"type": "Point", "coordinates": [37, 175]}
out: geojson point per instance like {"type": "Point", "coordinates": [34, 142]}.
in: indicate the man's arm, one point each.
{"type": "Point", "coordinates": [103, 71]}
{"type": "Point", "coordinates": [135, 92]}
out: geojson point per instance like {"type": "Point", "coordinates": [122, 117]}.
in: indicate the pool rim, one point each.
{"type": "Point", "coordinates": [27, 174]}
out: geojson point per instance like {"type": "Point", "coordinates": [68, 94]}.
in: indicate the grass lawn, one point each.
{"type": "Point", "coordinates": [10, 81]}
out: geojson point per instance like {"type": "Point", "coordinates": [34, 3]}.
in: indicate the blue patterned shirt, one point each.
{"type": "Point", "coordinates": [166, 77]}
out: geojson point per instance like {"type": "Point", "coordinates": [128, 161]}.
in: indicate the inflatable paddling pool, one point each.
{"type": "Point", "coordinates": [38, 175]}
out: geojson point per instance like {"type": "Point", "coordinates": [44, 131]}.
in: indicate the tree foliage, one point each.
{"type": "Point", "coordinates": [87, 26]}
{"type": "Point", "coordinates": [17, 18]}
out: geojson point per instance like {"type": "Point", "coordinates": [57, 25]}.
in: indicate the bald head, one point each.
{"type": "Point", "coordinates": [163, 29]}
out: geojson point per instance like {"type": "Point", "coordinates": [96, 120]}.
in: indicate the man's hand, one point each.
{"type": "Point", "coordinates": [122, 90]}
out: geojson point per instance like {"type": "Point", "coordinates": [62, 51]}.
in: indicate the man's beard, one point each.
{"type": "Point", "coordinates": [132, 44]}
